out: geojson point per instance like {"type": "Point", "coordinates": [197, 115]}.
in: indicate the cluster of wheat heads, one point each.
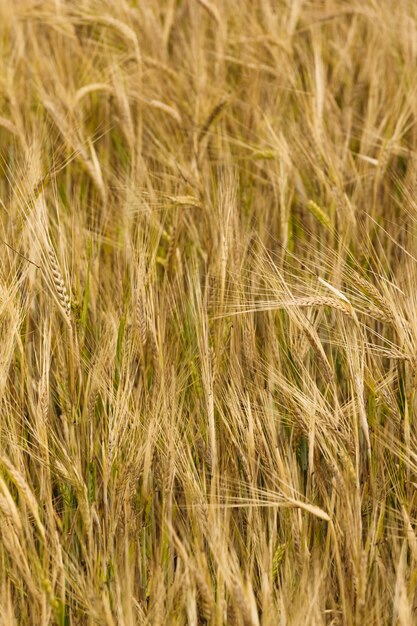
{"type": "Point", "coordinates": [208, 312]}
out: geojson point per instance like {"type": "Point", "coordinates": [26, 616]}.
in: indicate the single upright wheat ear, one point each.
{"type": "Point", "coordinates": [59, 284]}
{"type": "Point", "coordinates": [156, 374]}
{"type": "Point", "coordinates": [141, 319]}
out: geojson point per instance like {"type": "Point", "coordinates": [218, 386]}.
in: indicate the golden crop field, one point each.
{"type": "Point", "coordinates": [208, 312]}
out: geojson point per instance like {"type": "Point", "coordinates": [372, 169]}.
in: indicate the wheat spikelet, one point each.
{"type": "Point", "coordinates": [157, 471]}
{"type": "Point", "coordinates": [383, 310]}
{"type": "Point", "coordinates": [156, 364]}
{"type": "Point", "coordinates": [385, 155]}
{"type": "Point", "coordinates": [213, 115]}
{"type": "Point", "coordinates": [313, 301]}
{"type": "Point", "coordinates": [84, 508]}
{"type": "Point", "coordinates": [125, 31]}
{"type": "Point", "coordinates": [383, 314]}
{"type": "Point", "coordinates": [206, 600]}
{"type": "Point", "coordinates": [162, 106]}
{"type": "Point", "coordinates": [59, 284]}
{"type": "Point", "coordinates": [43, 401]}
{"type": "Point", "coordinates": [8, 506]}
{"type": "Point", "coordinates": [304, 302]}
{"type": "Point", "coordinates": [141, 319]}
{"type": "Point", "coordinates": [318, 213]}
{"type": "Point", "coordinates": [26, 493]}
{"type": "Point", "coordinates": [8, 125]}
{"type": "Point", "coordinates": [313, 338]}
{"type": "Point", "coordinates": [242, 605]}
{"type": "Point", "coordinates": [380, 315]}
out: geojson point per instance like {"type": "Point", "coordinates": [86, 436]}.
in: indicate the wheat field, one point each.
{"type": "Point", "coordinates": [208, 312]}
